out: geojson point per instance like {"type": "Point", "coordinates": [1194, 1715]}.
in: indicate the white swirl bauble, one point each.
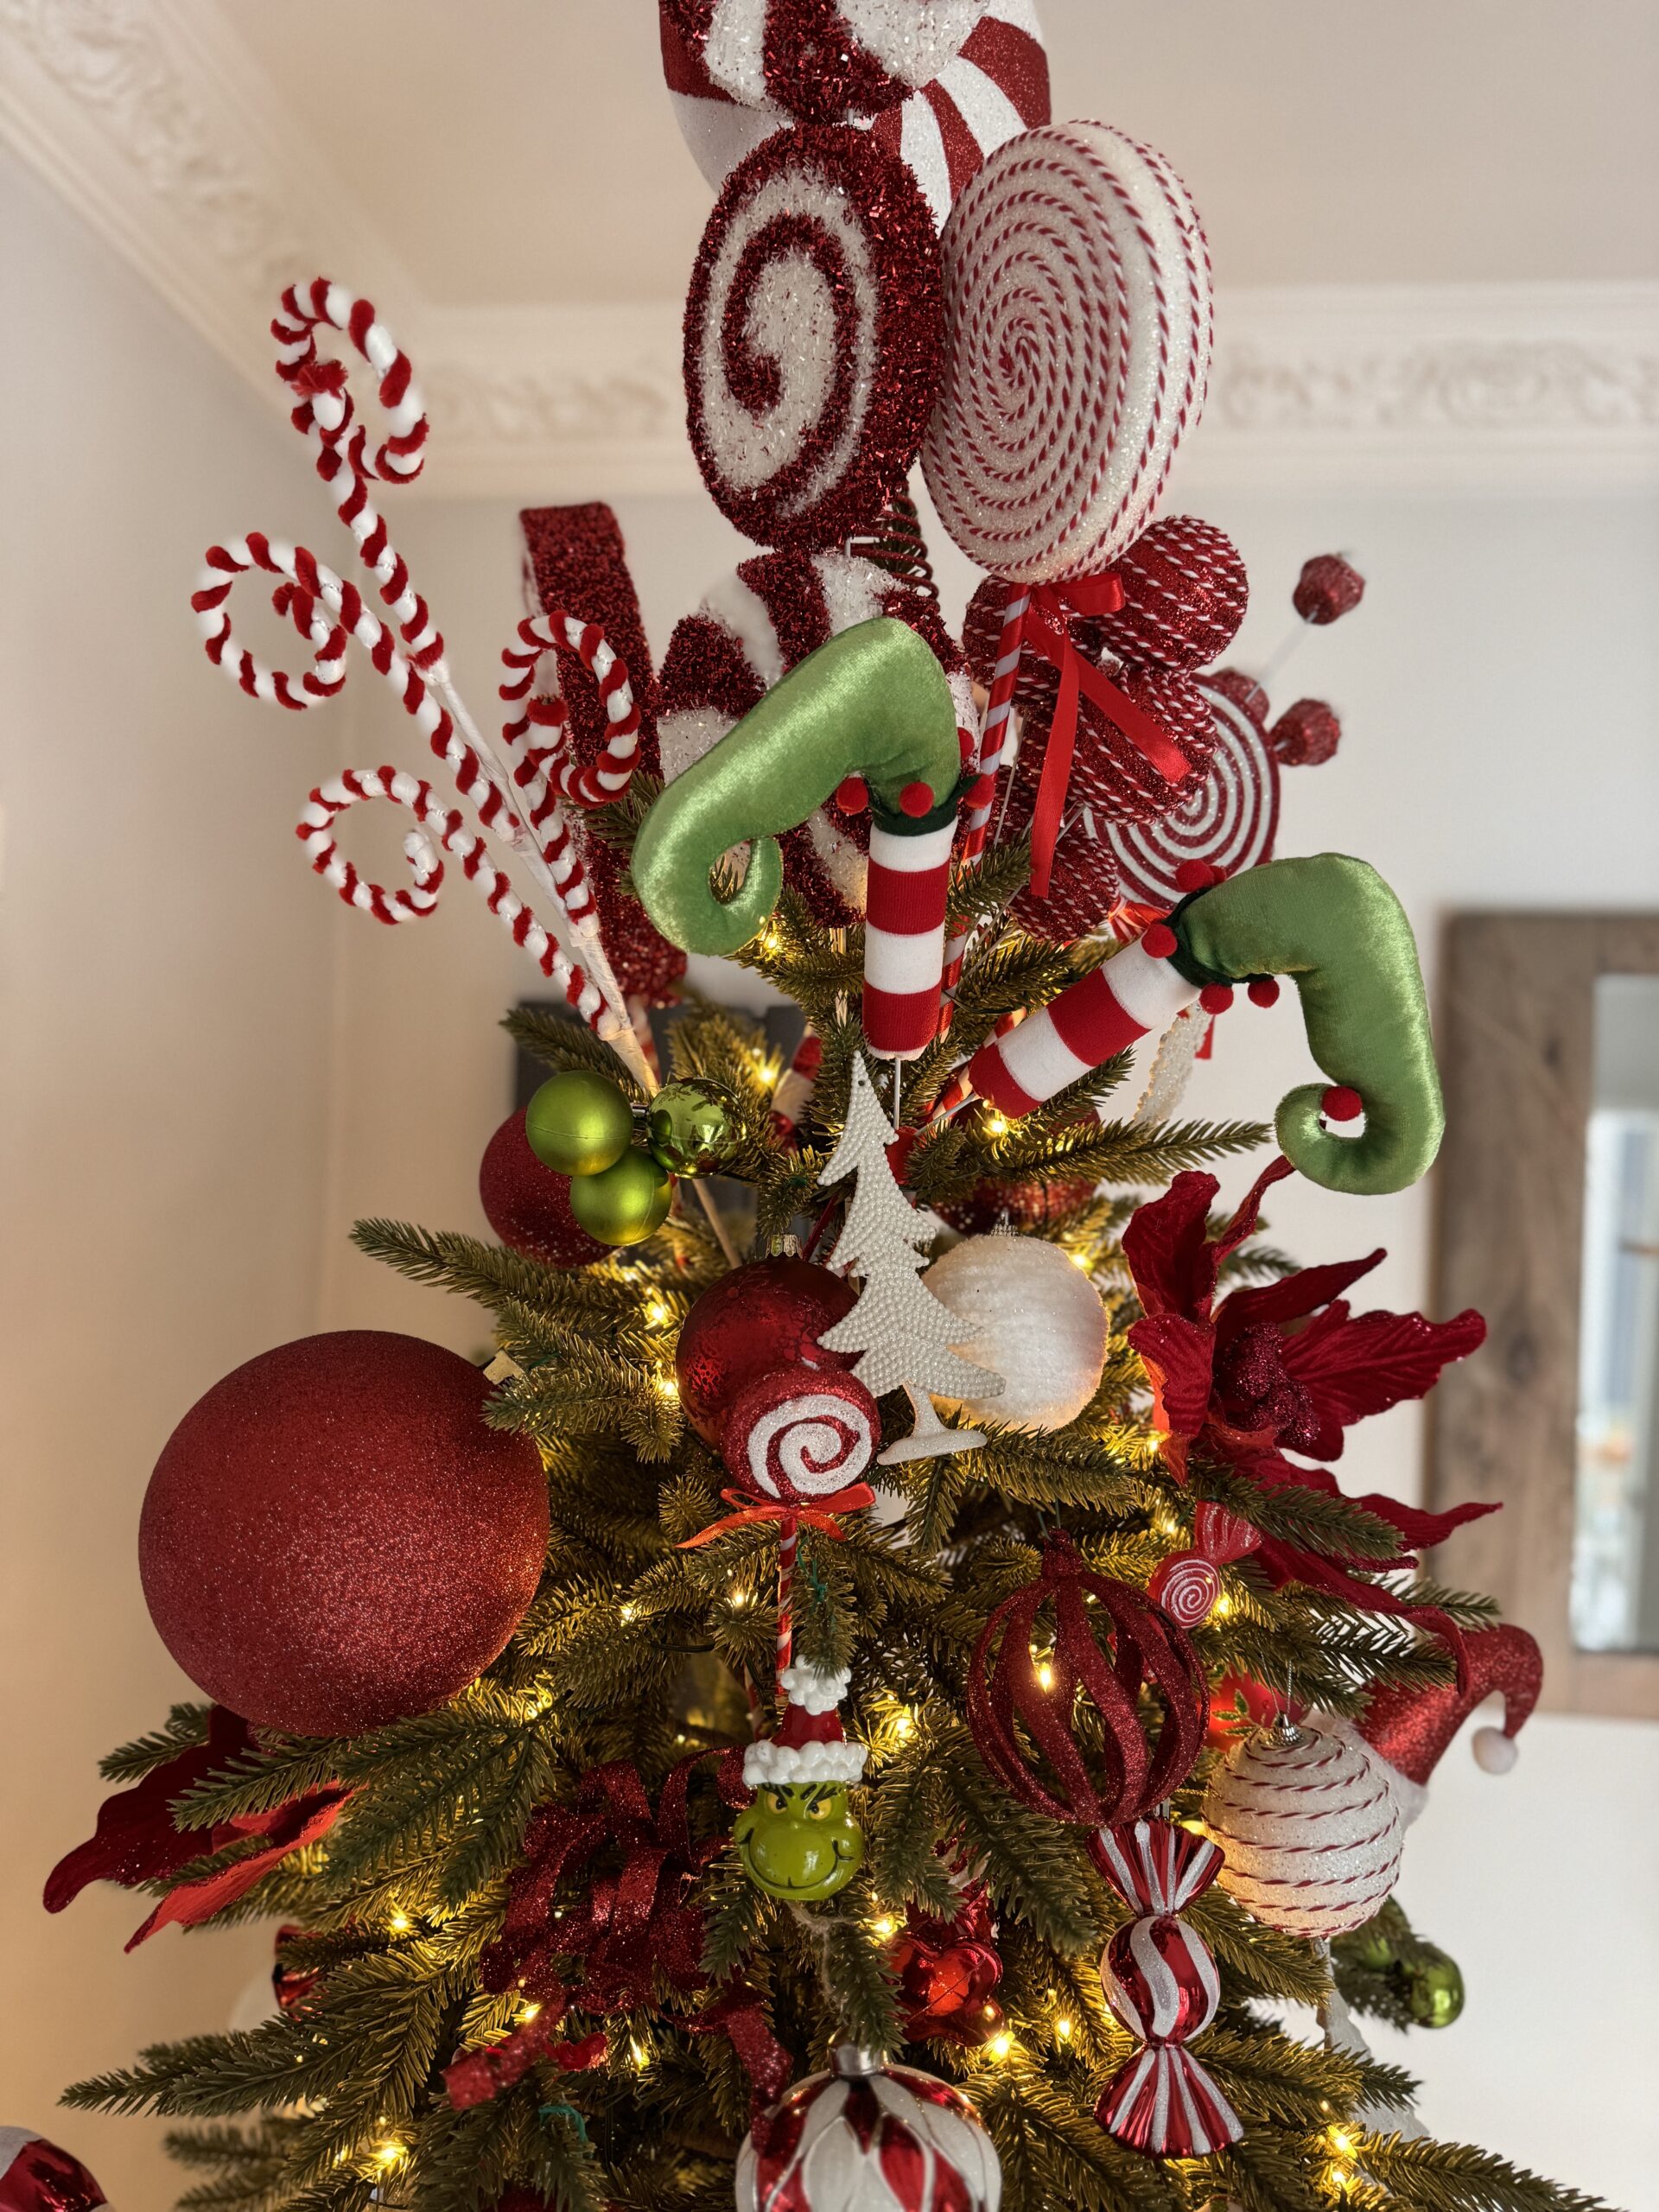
{"type": "Point", "coordinates": [1030, 1316]}
{"type": "Point", "coordinates": [1310, 1829]}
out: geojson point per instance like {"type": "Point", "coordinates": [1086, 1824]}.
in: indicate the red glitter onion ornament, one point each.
{"type": "Point", "coordinates": [333, 1540]}
{"type": "Point", "coordinates": [1226, 817]}
{"type": "Point", "coordinates": [1185, 593]}
{"type": "Point", "coordinates": [1020, 1707]}
{"type": "Point", "coordinates": [800, 1434]}
{"type": "Point", "coordinates": [528, 1206]}
{"type": "Point", "coordinates": [1160, 1981]}
{"type": "Point", "coordinates": [765, 1315]}
{"type": "Point", "coordinates": [812, 336]}
{"type": "Point", "coordinates": [1077, 333]}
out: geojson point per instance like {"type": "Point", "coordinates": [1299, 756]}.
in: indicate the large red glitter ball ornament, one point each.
{"type": "Point", "coordinates": [528, 1206]}
{"type": "Point", "coordinates": [767, 1315]}
{"type": "Point", "coordinates": [333, 1540]}
{"type": "Point", "coordinates": [869, 2137]}
{"type": "Point", "coordinates": [35, 2175]}
{"type": "Point", "coordinates": [812, 336]}
{"type": "Point", "coordinates": [1185, 593]}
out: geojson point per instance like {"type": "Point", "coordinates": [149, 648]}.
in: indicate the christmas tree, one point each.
{"type": "Point", "coordinates": [643, 1809]}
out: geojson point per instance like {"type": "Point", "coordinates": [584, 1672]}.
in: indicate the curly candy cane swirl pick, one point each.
{"type": "Point", "coordinates": [1078, 329]}
{"type": "Point", "coordinates": [801, 1434]}
{"type": "Point", "coordinates": [811, 336]}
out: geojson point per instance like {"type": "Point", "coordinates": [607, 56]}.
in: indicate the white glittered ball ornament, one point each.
{"type": "Point", "coordinates": [1030, 1316]}
{"type": "Point", "coordinates": [1310, 1829]}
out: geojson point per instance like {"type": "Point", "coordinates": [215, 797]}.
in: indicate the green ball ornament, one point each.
{"type": "Point", "coordinates": [799, 1841]}
{"type": "Point", "coordinates": [1434, 1990]}
{"type": "Point", "coordinates": [692, 1125]}
{"type": "Point", "coordinates": [627, 1202]}
{"type": "Point", "coordinates": [1369, 1948]}
{"type": "Point", "coordinates": [579, 1124]}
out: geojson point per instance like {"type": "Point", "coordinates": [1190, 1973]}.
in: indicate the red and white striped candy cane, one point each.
{"type": "Point", "coordinates": [315, 830]}
{"type": "Point", "coordinates": [328, 610]}
{"type": "Point", "coordinates": [1136, 991]}
{"type": "Point", "coordinates": [789, 1543]}
{"type": "Point", "coordinates": [903, 929]}
{"type": "Point", "coordinates": [602, 781]}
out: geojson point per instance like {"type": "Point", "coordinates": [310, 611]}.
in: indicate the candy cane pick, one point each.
{"type": "Point", "coordinates": [607, 778]}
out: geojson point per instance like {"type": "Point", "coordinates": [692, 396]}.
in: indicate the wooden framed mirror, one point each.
{"type": "Point", "coordinates": [1548, 1222]}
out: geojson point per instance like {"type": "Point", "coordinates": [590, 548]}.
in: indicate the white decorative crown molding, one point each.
{"type": "Point", "coordinates": [149, 118]}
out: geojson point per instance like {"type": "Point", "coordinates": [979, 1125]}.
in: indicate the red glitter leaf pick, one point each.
{"type": "Point", "coordinates": [1362, 1364]}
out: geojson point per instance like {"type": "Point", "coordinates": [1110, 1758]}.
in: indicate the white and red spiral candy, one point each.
{"type": "Point", "coordinates": [800, 1434]}
{"type": "Point", "coordinates": [595, 783]}
{"type": "Point", "coordinates": [1078, 320]}
{"type": "Point", "coordinates": [990, 86]}
{"type": "Point", "coordinates": [749, 632]}
{"type": "Point", "coordinates": [811, 336]}
{"type": "Point", "coordinates": [1226, 815]}
{"type": "Point", "coordinates": [1160, 1982]}
{"type": "Point", "coordinates": [1188, 1584]}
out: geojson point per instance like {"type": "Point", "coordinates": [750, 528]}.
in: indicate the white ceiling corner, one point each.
{"type": "Point", "coordinates": [152, 121]}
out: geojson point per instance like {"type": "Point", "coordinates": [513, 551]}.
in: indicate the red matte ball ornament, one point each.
{"type": "Point", "coordinates": [767, 1315]}
{"type": "Point", "coordinates": [528, 1206]}
{"type": "Point", "coordinates": [333, 1540]}
{"type": "Point", "coordinates": [1022, 1724]}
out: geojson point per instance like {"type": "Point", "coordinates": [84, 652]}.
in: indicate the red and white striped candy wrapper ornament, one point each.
{"type": "Point", "coordinates": [1077, 341]}
{"type": "Point", "coordinates": [799, 1434]}
{"type": "Point", "coordinates": [35, 2175]}
{"type": "Point", "coordinates": [1188, 1584]}
{"type": "Point", "coordinates": [987, 87]}
{"type": "Point", "coordinates": [1307, 1821]}
{"type": "Point", "coordinates": [811, 336]}
{"type": "Point", "coordinates": [1160, 1982]}
{"type": "Point", "coordinates": [869, 2137]}
{"type": "Point", "coordinates": [1226, 815]}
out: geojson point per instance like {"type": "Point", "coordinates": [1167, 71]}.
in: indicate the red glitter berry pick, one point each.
{"type": "Point", "coordinates": [812, 336]}
{"type": "Point", "coordinates": [1306, 734]}
{"type": "Point", "coordinates": [1340, 1103]}
{"type": "Point", "coordinates": [1327, 588]}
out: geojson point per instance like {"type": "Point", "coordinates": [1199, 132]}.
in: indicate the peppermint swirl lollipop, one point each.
{"type": "Point", "coordinates": [811, 336]}
{"type": "Point", "coordinates": [801, 1432]}
{"type": "Point", "coordinates": [822, 59]}
{"type": "Point", "coordinates": [1227, 815]}
{"type": "Point", "coordinates": [1078, 327]}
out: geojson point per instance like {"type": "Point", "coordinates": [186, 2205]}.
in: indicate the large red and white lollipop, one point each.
{"type": "Point", "coordinates": [1078, 330]}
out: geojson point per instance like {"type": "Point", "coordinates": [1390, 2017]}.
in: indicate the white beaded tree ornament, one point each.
{"type": "Point", "coordinates": [899, 1330]}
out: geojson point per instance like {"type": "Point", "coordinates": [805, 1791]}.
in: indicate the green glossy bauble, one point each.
{"type": "Point", "coordinates": [693, 1125]}
{"type": "Point", "coordinates": [579, 1122]}
{"type": "Point", "coordinates": [626, 1203]}
{"type": "Point", "coordinates": [799, 1840]}
{"type": "Point", "coordinates": [1369, 1948]}
{"type": "Point", "coordinates": [1434, 1990]}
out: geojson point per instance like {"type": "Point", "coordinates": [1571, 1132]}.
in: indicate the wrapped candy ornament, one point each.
{"type": "Point", "coordinates": [869, 2137]}
{"type": "Point", "coordinates": [1307, 1821]}
{"type": "Point", "coordinates": [35, 2175]}
{"type": "Point", "coordinates": [1160, 1982]}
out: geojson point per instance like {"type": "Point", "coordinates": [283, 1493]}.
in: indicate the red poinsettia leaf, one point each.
{"type": "Point", "coordinates": [1171, 1258]}
{"type": "Point", "coordinates": [302, 1820]}
{"type": "Point", "coordinates": [1423, 1530]}
{"type": "Point", "coordinates": [1242, 1224]}
{"type": "Point", "coordinates": [1354, 1365]}
{"type": "Point", "coordinates": [1292, 1297]}
{"type": "Point", "coordinates": [1178, 1355]}
{"type": "Point", "coordinates": [136, 1840]}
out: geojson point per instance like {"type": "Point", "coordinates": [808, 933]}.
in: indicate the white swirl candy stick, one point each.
{"type": "Point", "coordinates": [1077, 331]}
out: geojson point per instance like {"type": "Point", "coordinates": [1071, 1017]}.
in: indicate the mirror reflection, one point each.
{"type": "Point", "coordinates": [1616, 1538]}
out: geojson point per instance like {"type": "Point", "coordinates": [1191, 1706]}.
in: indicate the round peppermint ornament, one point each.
{"type": "Point", "coordinates": [333, 1539]}
{"type": "Point", "coordinates": [1226, 815]}
{"type": "Point", "coordinates": [1309, 1827]}
{"type": "Point", "coordinates": [865, 2136]}
{"type": "Point", "coordinates": [811, 336]}
{"type": "Point", "coordinates": [1078, 331]}
{"type": "Point", "coordinates": [823, 60]}
{"type": "Point", "coordinates": [800, 1434]}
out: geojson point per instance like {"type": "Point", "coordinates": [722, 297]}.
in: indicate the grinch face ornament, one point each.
{"type": "Point", "coordinates": [799, 1841]}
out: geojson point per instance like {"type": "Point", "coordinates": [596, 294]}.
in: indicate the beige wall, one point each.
{"type": "Point", "coordinates": [195, 1113]}
{"type": "Point", "coordinates": [164, 978]}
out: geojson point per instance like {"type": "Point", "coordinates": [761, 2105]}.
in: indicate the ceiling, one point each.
{"type": "Point", "coordinates": [518, 151]}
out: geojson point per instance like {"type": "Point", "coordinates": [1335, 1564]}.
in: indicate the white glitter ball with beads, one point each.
{"type": "Point", "coordinates": [1310, 1829]}
{"type": "Point", "coordinates": [1032, 1316]}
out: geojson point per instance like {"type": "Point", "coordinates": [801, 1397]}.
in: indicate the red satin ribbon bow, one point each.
{"type": "Point", "coordinates": [820, 1513]}
{"type": "Point", "coordinates": [1047, 633]}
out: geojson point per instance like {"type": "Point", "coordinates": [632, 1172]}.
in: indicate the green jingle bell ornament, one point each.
{"type": "Point", "coordinates": [1434, 1989]}
{"type": "Point", "coordinates": [692, 1125]}
{"type": "Point", "coordinates": [579, 1124]}
{"type": "Point", "coordinates": [627, 1202]}
{"type": "Point", "coordinates": [799, 1840]}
